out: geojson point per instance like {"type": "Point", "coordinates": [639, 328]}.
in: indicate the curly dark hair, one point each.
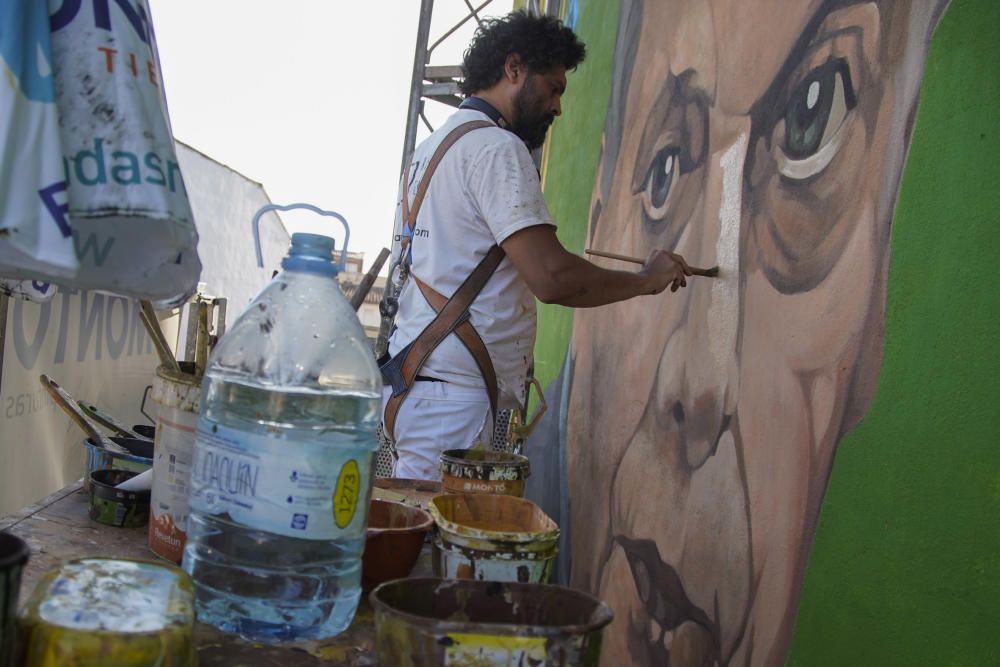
{"type": "Point", "coordinates": [541, 42]}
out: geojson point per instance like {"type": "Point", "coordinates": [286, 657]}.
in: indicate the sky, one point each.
{"type": "Point", "coordinates": [306, 97]}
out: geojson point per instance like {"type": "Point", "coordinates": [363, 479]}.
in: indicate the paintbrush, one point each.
{"type": "Point", "coordinates": [70, 407]}
{"type": "Point", "coordinates": [148, 317]}
{"type": "Point", "coordinates": [708, 273]}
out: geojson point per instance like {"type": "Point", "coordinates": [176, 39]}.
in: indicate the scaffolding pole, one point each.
{"type": "Point", "coordinates": [416, 103]}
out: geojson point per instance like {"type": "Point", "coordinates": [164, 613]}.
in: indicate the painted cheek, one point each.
{"type": "Point", "coordinates": [813, 330]}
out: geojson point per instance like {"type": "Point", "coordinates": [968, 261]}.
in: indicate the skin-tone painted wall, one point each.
{"type": "Point", "coordinates": [907, 534]}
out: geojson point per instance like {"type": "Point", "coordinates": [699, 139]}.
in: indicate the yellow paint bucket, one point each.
{"type": "Point", "coordinates": [97, 612]}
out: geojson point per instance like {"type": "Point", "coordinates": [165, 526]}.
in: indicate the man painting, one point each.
{"type": "Point", "coordinates": [465, 200]}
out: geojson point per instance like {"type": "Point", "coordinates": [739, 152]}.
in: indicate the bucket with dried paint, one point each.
{"type": "Point", "coordinates": [99, 458]}
{"type": "Point", "coordinates": [102, 612]}
{"type": "Point", "coordinates": [117, 507]}
{"type": "Point", "coordinates": [460, 622]}
{"type": "Point", "coordinates": [483, 471]}
{"type": "Point", "coordinates": [493, 538]}
{"type": "Point", "coordinates": [177, 397]}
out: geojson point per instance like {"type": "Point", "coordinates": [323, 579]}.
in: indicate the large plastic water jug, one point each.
{"type": "Point", "coordinates": [282, 468]}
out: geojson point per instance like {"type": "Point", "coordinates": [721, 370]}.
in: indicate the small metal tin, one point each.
{"type": "Point", "coordinates": [117, 507]}
{"type": "Point", "coordinates": [483, 471]}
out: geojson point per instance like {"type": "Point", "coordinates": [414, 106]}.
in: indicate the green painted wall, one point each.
{"type": "Point", "coordinates": [905, 569]}
{"type": "Point", "coordinates": [574, 150]}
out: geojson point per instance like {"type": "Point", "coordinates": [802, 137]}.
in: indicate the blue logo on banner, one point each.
{"type": "Point", "coordinates": [25, 47]}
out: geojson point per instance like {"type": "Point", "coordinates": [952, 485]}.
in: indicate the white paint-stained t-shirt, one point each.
{"type": "Point", "coordinates": [483, 190]}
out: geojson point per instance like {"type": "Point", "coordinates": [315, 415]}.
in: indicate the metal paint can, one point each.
{"type": "Point", "coordinates": [99, 458]}
{"type": "Point", "coordinates": [452, 562]}
{"type": "Point", "coordinates": [177, 397]}
{"type": "Point", "coordinates": [483, 471]}
{"type": "Point", "coordinates": [451, 622]}
{"type": "Point", "coordinates": [493, 538]}
{"type": "Point", "coordinates": [117, 507]}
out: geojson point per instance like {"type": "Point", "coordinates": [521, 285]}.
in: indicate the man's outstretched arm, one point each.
{"type": "Point", "coordinates": [555, 275]}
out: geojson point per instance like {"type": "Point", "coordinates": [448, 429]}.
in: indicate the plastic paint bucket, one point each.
{"type": "Point", "coordinates": [423, 622]}
{"type": "Point", "coordinates": [117, 507]}
{"type": "Point", "coordinates": [13, 555]}
{"type": "Point", "coordinates": [177, 397]}
{"type": "Point", "coordinates": [482, 471]}
{"type": "Point", "coordinates": [493, 538]}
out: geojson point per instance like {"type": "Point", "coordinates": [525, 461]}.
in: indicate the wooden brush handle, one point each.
{"type": "Point", "coordinates": [70, 407]}
{"type": "Point", "coordinates": [152, 324]}
{"type": "Point", "coordinates": [708, 273]}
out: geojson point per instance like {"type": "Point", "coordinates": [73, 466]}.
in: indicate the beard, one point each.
{"type": "Point", "coordinates": [532, 122]}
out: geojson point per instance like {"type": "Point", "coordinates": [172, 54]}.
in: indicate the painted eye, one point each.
{"type": "Point", "coordinates": [814, 119]}
{"type": "Point", "coordinates": [659, 180]}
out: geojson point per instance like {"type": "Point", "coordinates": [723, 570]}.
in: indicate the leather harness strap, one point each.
{"type": "Point", "coordinates": [452, 313]}
{"type": "Point", "coordinates": [410, 212]}
{"type": "Point", "coordinates": [469, 337]}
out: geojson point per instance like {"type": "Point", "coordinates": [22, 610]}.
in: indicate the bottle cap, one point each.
{"type": "Point", "coordinates": [312, 253]}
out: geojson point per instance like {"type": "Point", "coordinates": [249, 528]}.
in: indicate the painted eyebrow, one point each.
{"type": "Point", "coordinates": [764, 105]}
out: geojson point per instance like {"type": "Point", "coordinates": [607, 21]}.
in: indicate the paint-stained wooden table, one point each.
{"type": "Point", "coordinates": [58, 528]}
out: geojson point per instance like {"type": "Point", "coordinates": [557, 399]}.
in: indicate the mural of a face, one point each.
{"type": "Point", "coordinates": [768, 138]}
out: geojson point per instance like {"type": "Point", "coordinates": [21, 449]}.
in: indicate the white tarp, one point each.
{"type": "Point", "coordinates": [34, 231]}
{"type": "Point", "coordinates": [121, 201]}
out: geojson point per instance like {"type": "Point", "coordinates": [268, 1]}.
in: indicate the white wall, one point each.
{"type": "Point", "coordinates": [224, 203]}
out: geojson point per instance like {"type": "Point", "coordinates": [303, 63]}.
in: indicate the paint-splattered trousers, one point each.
{"type": "Point", "coordinates": [434, 417]}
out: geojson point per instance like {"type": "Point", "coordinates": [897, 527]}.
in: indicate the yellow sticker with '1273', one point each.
{"type": "Point", "coordinates": [345, 495]}
{"type": "Point", "coordinates": [471, 649]}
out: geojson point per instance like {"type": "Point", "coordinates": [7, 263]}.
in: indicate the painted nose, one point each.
{"type": "Point", "coordinates": [711, 376]}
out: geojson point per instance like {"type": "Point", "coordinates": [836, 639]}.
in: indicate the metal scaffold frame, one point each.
{"type": "Point", "coordinates": [430, 82]}
{"type": "Point", "coordinates": [440, 82]}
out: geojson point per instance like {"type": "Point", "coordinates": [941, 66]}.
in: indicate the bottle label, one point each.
{"type": "Point", "coordinates": [311, 490]}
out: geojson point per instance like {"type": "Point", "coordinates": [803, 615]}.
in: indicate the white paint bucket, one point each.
{"type": "Point", "coordinates": [177, 397]}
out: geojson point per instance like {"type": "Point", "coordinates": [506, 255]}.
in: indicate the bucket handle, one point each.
{"type": "Point", "coordinates": [309, 207]}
